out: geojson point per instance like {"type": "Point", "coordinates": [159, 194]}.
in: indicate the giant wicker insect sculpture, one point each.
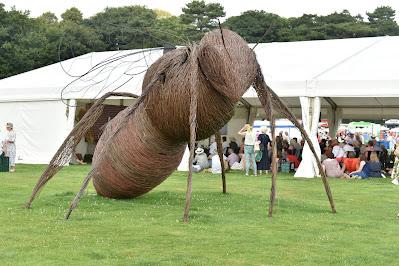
{"type": "Point", "coordinates": [187, 94]}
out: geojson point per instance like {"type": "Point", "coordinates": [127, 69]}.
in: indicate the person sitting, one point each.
{"type": "Point", "coordinates": [351, 162]}
{"type": "Point", "coordinates": [383, 156]}
{"type": "Point", "coordinates": [213, 147]}
{"type": "Point", "coordinates": [297, 147]}
{"type": "Point", "coordinates": [337, 150]}
{"type": "Point", "coordinates": [79, 158]}
{"type": "Point", "coordinates": [323, 145]}
{"type": "Point", "coordinates": [328, 151]}
{"type": "Point", "coordinates": [233, 144]}
{"type": "Point", "coordinates": [348, 147]}
{"type": "Point", "coordinates": [368, 169]}
{"type": "Point", "coordinates": [292, 157]}
{"type": "Point", "coordinates": [216, 167]}
{"type": "Point", "coordinates": [359, 171]}
{"type": "Point", "coordinates": [232, 157]}
{"type": "Point", "coordinates": [376, 147]}
{"type": "Point", "coordinates": [369, 149]}
{"type": "Point", "coordinates": [225, 144]}
{"type": "Point", "coordinates": [375, 165]}
{"type": "Point", "coordinates": [283, 156]}
{"type": "Point", "coordinates": [332, 169]}
{"type": "Point", "coordinates": [200, 161]}
{"type": "Point", "coordinates": [356, 146]}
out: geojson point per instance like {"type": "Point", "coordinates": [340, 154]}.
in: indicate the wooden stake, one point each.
{"type": "Point", "coordinates": [193, 129]}
{"type": "Point", "coordinates": [273, 189]}
{"type": "Point", "coordinates": [266, 101]}
{"type": "Point", "coordinates": [218, 138]}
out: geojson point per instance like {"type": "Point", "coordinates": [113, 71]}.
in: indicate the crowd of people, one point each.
{"type": "Point", "coordinates": [349, 157]}
{"type": "Point", "coordinates": [8, 147]}
{"type": "Point", "coordinates": [253, 153]}
{"type": "Point", "coordinates": [346, 156]}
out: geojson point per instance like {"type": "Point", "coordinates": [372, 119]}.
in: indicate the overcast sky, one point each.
{"type": "Point", "coordinates": [285, 8]}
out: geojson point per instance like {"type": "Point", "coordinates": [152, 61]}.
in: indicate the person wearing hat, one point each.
{"type": "Point", "coordinates": [265, 142]}
{"type": "Point", "coordinates": [200, 161]}
{"type": "Point", "coordinates": [9, 145]}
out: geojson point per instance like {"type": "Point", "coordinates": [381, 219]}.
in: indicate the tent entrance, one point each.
{"type": "Point", "coordinates": [85, 149]}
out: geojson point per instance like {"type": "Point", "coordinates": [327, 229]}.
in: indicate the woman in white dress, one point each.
{"type": "Point", "coordinates": [10, 148]}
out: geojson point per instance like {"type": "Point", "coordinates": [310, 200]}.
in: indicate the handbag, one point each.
{"type": "Point", "coordinates": [257, 146]}
{"type": "Point", "coordinates": [4, 163]}
{"type": "Point", "coordinates": [258, 156]}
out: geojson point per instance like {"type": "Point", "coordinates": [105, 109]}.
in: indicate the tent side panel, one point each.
{"type": "Point", "coordinates": [40, 126]}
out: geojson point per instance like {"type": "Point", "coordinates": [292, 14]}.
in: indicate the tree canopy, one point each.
{"type": "Point", "coordinates": [27, 43]}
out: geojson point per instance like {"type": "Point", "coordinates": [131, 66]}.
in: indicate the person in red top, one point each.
{"type": "Point", "coordinates": [292, 158]}
{"type": "Point", "coordinates": [351, 162]}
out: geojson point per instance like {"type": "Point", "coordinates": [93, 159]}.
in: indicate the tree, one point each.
{"type": "Point", "coordinates": [332, 26]}
{"type": "Point", "coordinates": [253, 24]}
{"type": "Point", "coordinates": [48, 18]}
{"type": "Point", "coordinates": [201, 15]}
{"type": "Point", "coordinates": [171, 30]}
{"type": "Point", "coordinates": [337, 18]}
{"type": "Point", "coordinates": [383, 21]}
{"type": "Point", "coordinates": [77, 37]}
{"type": "Point", "coordinates": [14, 27]}
{"type": "Point", "coordinates": [381, 14]}
{"type": "Point", "coordinates": [27, 43]}
{"type": "Point", "coordinates": [73, 14]}
{"type": "Point", "coordinates": [124, 27]}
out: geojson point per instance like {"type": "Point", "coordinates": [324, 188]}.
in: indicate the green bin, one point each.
{"type": "Point", "coordinates": [4, 163]}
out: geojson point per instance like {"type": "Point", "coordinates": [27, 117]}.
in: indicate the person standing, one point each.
{"type": "Point", "coordinates": [264, 163]}
{"type": "Point", "coordinates": [249, 147]}
{"type": "Point", "coordinates": [395, 170]}
{"type": "Point", "coordinates": [286, 136]}
{"type": "Point", "coordinates": [10, 148]}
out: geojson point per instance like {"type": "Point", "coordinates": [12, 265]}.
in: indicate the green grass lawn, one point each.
{"type": "Point", "coordinates": [230, 229]}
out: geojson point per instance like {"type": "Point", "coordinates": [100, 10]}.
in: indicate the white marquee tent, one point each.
{"type": "Point", "coordinates": [348, 78]}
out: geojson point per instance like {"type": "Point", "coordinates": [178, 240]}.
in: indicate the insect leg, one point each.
{"type": "Point", "coordinates": [193, 130]}
{"type": "Point", "coordinates": [76, 200]}
{"type": "Point", "coordinates": [266, 101]}
{"type": "Point", "coordinates": [262, 86]}
{"type": "Point", "coordinates": [220, 153]}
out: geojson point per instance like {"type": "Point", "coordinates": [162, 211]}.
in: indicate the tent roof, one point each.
{"type": "Point", "coordinates": [360, 67]}
{"type": "Point", "coordinates": [47, 83]}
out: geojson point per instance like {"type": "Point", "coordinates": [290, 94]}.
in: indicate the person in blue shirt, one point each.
{"type": "Point", "coordinates": [371, 168]}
